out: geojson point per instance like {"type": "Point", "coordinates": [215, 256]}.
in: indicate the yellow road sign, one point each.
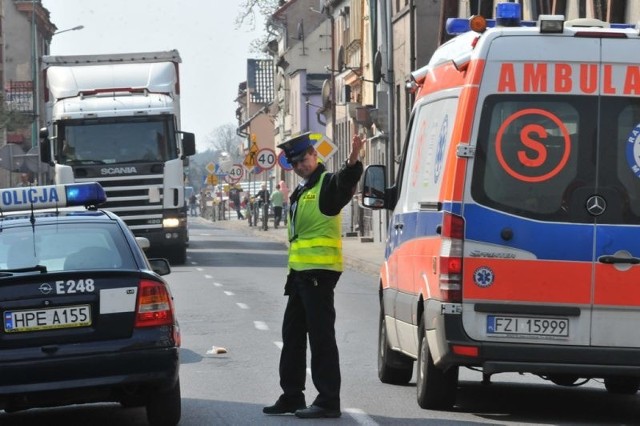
{"type": "Point", "coordinates": [324, 146]}
{"type": "Point", "coordinates": [250, 160]}
{"type": "Point", "coordinates": [212, 179]}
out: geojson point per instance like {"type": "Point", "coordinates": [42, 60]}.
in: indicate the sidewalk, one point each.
{"type": "Point", "coordinates": [365, 257]}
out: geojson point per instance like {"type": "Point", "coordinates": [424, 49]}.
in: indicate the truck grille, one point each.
{"type": "Point", "coordinates": [136, 199]}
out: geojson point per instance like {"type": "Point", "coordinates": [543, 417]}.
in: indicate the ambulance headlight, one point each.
{"type": "Point", "coordinates": [550, 24]}
{"type": "Point", "coordinates": [508, 14]}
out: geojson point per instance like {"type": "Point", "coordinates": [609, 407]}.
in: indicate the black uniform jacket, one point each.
{"type": "Point", "coordinates": [337, 188]}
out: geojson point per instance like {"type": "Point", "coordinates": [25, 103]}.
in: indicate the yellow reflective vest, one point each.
{"type": "Point", "coordinates": [317, 240]}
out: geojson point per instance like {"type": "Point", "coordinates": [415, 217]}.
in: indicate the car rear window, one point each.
{"type": "Point", "coordinates": [65, 247]}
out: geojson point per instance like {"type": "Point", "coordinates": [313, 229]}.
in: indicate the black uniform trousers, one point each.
{"type": "Point", "coordinates": [310, 310]}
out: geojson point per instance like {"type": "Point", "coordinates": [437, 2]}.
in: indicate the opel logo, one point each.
{"type": "Point", "coordinates": [45, 288]}
{"type": "Point", "coordinates": [596, 205]}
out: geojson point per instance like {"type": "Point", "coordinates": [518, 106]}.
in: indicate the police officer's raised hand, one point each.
{"type": "Point", "coordinates": [357, 142]}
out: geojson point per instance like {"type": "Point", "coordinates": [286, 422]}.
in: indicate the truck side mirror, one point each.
{"type": "Point", "coordinates": [188, 144]}
{"type": "Point", "coordinates": [45, 146]}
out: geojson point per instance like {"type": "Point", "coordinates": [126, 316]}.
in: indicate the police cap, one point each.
{"type": "Point", "coordinates": [296, 147]}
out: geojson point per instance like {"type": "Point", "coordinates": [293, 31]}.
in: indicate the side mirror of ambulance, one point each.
{"type": "Point", "coordinates": [373, 193]}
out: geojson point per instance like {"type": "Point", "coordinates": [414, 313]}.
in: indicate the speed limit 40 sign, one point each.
{"type": "Point", "coordinates": [236, 172]}
{"type": "Point", "coordinates": [266, 158]}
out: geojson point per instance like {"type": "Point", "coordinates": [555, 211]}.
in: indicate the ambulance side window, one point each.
{"type": "Point", "coordinates": [430, 137]}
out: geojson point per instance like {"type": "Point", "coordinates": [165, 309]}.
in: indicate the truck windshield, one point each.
{"type": "Point", "coordinates": [115, 142]}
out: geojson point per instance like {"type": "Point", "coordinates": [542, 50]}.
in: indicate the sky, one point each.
{"type": "Point", "coordinates": [214, 51]}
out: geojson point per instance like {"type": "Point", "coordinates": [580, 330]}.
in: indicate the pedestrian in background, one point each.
{"type": "Point", "coordinates": [315, 265]}
{"type": "Point", "coordinates": [263, 204]}
{"type": "Point", "coordinates": [276, 203]}
{"type": "Point", "coordinates": [193, 204]}
{"type": "Point", "coordinates": [234, 195]}
{"type": "Point", "coordinates": [285, 199]}
{"type": "Point", "coordinates": [25, 180]}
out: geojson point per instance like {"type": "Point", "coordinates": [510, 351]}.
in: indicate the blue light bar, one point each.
{"type": "Point", "coordinates": [457, 26]}
{"type": "Point", "coordinates": [52, 196]}
{"type": "Point", "coordinates": [508, 14]}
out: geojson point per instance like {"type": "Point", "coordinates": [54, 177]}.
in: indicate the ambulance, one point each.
{"type": "Point", "coordinates": [514, 223]}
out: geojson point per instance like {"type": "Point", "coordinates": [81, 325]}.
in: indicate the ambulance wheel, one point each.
{"type": "Point", "coordinates": [394, 368]}
{"type": "Point", "coordinates": [436, 388]}
{"type": "Point", "coordinates": [165, 408]}
{"type": "Point", "coordinates": [622, 385]}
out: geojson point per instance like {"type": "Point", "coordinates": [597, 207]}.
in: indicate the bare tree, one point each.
{"type": "Point", "coordinates": [224, 138]}
{"type": "Point", "coordinates": [248, 16]}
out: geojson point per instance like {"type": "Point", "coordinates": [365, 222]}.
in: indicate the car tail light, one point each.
{"type": "Point", "coordinates": [155, 305]}
{"type": "Point", "coordinates": [450, 274]}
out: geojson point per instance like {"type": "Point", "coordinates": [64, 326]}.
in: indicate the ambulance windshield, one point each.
{"type": "Point", "coordinates": [543, 156]}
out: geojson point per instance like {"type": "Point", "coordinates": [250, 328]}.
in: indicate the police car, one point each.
{"type": "Point", "coordinates": [86, 316]}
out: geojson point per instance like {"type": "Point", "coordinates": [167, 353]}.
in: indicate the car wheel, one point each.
{"type": "Point", "coordinates": [393, 367]}
{"type": "Point", "coordinates": [436, 388]}
{"type": "Point", "coordinates": [622, 385]}
{"type": "Point", "coordinates": [165, 408]}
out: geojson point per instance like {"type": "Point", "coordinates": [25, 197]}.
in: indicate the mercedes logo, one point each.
{"type": "Point", "coordinates": [596, 205]}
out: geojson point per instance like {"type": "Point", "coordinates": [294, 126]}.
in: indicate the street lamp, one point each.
{"type": "Point", "coordinates": [76, 28]}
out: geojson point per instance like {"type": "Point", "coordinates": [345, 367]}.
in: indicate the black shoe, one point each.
{"type": "Point", "coordinates": [315, 412]}
{"type": "Point", "coordinates": [281, 407]}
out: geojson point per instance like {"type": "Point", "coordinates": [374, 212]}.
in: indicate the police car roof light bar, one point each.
{"type": "Point", "coordinates": [51, 196]}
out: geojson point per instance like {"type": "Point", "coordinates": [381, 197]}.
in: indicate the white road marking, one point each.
{"type": "Point", "coordinates": [197, 269]}
{"type": "Point", "coordinates": [207, 276]}
{"type": "Point", "coordinates": [217, 284]}
{"type": "Point", "coordinates": [360, 417]}
{"type": "Point", "coordinates": [229, 293]}
{"type": "Point", "coordinates": [278, 344]}
{"type": "Point", "coordinates": [260, 325]}
{"type": "Point", "coordinates": [242, 305]}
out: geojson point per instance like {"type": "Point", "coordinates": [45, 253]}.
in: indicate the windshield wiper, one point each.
{"type": "Point", "coordinates": [10, 272]}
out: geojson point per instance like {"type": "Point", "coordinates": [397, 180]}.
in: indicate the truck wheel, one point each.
{"type": "Point", "coordinates": [622, 385]}
{"type": "Point", "coordinates": [393, 367]}
{"type": "Point", "coordinates": [165, 408]}
{"type": "Point", "coordinates": [436, 388]}
{"type": "Point", "coordinates": [178, 255]}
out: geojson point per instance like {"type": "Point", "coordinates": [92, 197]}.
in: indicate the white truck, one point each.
{"type": "Point", "coordinates": [115, 119]}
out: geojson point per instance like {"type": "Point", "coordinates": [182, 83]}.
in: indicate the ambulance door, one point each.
{"type": "Point", "coordinates": [399, 298]}
{"type": "Point", "coordinates": [528, 261]}
{"type": "Point", "coordinates": [615, 203]}
{"type": "Point", "coordinates": [430, 139]}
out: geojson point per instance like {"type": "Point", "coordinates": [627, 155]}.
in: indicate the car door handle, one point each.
{"type": "Point", "coordinates": [610, 260]}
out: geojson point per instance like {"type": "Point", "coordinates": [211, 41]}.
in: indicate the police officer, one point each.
{"type": "Point", "coordinates": [315, 265]}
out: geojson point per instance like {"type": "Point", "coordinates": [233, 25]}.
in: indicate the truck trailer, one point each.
{"type": "Point", "coordinates": [115, 119]}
